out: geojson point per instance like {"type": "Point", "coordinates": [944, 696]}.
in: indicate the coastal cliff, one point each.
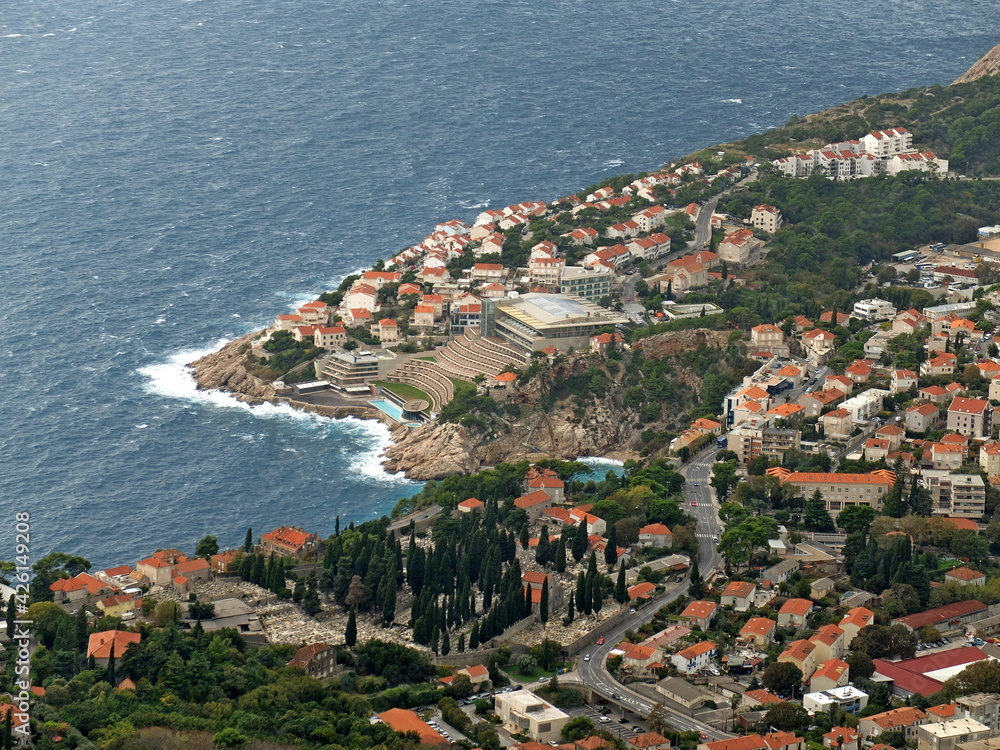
{"type": "Point", "coordinates": [225, 370]}
{"type": "Point", "coordinates": [534, 424]}
{"type": "Point", "coordinates": [986, 65]}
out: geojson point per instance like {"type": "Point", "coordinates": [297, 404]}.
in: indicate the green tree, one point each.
{"type": "Point", "coordinates": [696, 585]}
{"type": "Point", "coordinates": [543, 605]}
{"type": "Point", "coordinates": [577, 729]}
{"type": "Point", "coordinates": [816, 517]}
{"type": "Point", "coordinates": [611, 550]}
{"type": "Point", "coordinates": [621, 592]}
{"type": "Point", "coordinates": [855, 518]}
{"type": "Point", "coordinates": [230, 738]}
{"type": "Point", "coordinates": [351, 632]}
{"type": "Point", "coordinates": [787, 716]}
{"type": "Point", "coordinates": [579, 548]}
{"type": "Point", "coordinates": [208, 546]}
{"type": "Point", "coordinates": [782, 677]}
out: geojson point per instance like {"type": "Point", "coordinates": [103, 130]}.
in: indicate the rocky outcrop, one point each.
{"type": "Point", "coordinates": [433, 451]}
{"type": "Point", "coordinates": [986, 65]}
{"type": "Point", "coordinates": [225, 370]}
{"type": "Point", "coordinates": [670, 344]}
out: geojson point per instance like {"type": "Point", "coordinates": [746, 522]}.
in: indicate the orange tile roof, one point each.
{"type": "Point", "coordinates": [859, 617]}
{"type": "Point", "coordinates": [944, 711]}
{"type": "Point", "coordinates": [287, 536]}
{"type": "Point", "coordinates": [787, 410]}
{"type": "Point", "coordinates": [833, 669]}
{"type": "Point", "coordinates": [100, 644]}
{"type": "Point", "coordinates": [739, 589]}
{"type": "Point", "coordinates": [656, 529]}
{"type": "Point", "coordinates": [828, 635]}
{"type": "Point", "coordinates": [641, 590]}
{"type": "Point", "coordinates": [965, 574]}
{"type": "Point", "coordinates": [403, 720]}
{"type": "Point", "coordinates": [797, 477]}
{"type": "Point", "coordinates": [532, 499]}
{"type": "Point", "coordinates": [750, 742]}
{"type": "Point", "coordinates": [692, 652]}
{"type": "Point", "coordinates": [649, 739]}
{"type": "Point", "coordinates": [898, 717]}
{"type": "Point", "coordinates": [800, 607]}
{"type": "Point", "coordinates": [472, 502]}
{"type": "Point", "coordinates": [798, 650]}
{"type": "Point", "coordinates": [192, 566]}
{"type": "Point", "coordinates": [758, 626]}
{"type": "Point", "coordinates": [763, 696]}
{"type": "Point", "coordinates": [699, 609]}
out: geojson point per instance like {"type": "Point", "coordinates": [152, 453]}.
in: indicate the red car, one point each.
{"type": "Point", "coordinates": [694, 504]}
{"type": "Point", "coordinates": [600, 641]}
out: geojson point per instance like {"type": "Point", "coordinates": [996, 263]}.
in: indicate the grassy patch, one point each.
{"type": "Point", "coordinates": [404, 390]}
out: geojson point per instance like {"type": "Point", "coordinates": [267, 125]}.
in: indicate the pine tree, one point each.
{"type": "Point", "coordinates": [351, 633]}
{"type": "Point", "coordinates": [611, 551]}
{"type": "Point", "coordinates": [543, 604]}
{"type": "Point", "coordinates": [621, 593]}
{"type": "Point", "coordinates": [248, 542]}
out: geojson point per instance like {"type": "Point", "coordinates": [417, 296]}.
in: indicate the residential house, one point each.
{"type": "Point", "coordinates": [922, 418]}
{"type": "Point", "coordinates": [853, 621]}
{"type": "Point", "coordinates": [318, 660]}
{"type": "Point", "coordinates": [78, 588]}
{"type": "Point", "coordinates": [650, 741]}
{"type": "Point", "coordinates": [902, 380]}
{"type": "Point", "coordinates": [158, 571]}
{"type": "Point", "coordinates": [329, 337]}
{"type": "Point", "coordinates": [404, 721]}
{"type": "Point", "coordinates": [905, 720]}
{"type": "Point", "coordinates": [989, 459]}
{"type": "Point", "coordinates": [817, 402]}
{"type": "Point", "coordinates": [289, 541]}
{"type": "Point", "coordinates": [847, 697]}
{"type": "Point", "coordinates": [700, 613]}
{"type": "Point", "coordinates": [695, 658]}
{"type": "Point", "coordinates": [769, 338]}
{"type": "Point", "coordinates": [195, 570]}
{"type": "Point", "coordinates": [110, 643]}
{"type": "Point", "coordinates": [759, 631]}
{"type": "Point", "coordinates": [830, 644]}
{"type": "Point", "coordinates": [795, 613]}
{"type": "Point", "coordinates": [837, 424]}
{"type": "Point", "coordinates": [833, 673]}
{"type": "Point", "coordinates": [739, 595]}
{"type": "Point", "coordinates": [802, 654]}
{"type": "Point", "coordinates": [947, 735]}
{"type": "Point", "coordinates": [875, 309]}
{"type": "Point", "coordinates": [965, 576]}
{"type": "Point", "coordinates": [656, 535]}
{"type": "Point", "coordinates": [942, 364]}
{"type": "Point", "coordinates": [524, 712]}
{"type": "Point", "coordinates": [534, 503]}
{"type": "Point", "coordinates": [740, 247]}
{"type": "Point", "coordinates": [876, 449]}
{"type": "Point", "coordinates": [116, 605]}
{"type": "Point", "coordinates": [842, 738]}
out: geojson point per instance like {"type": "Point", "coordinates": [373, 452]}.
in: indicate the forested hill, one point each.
{"type": "Point", "coordinates": [960, 122]}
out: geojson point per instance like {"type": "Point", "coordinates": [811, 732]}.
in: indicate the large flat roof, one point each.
{"type": "Point", "coordinates": [541, 311]}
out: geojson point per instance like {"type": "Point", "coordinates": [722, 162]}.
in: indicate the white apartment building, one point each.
{"type": "Point", "coordinates": [525, 713]}
{"type": "Point", "coordinates": [955, 495]}
{"type": "Point", "coordinates": [874, 309]}
{"type": "Point", "coordinates": [886, 143]}
{"type": "Point", "coordinates": [766, 217]}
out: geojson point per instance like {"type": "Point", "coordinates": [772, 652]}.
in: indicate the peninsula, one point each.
{"type": "Point", "coordinates": [609, 321]}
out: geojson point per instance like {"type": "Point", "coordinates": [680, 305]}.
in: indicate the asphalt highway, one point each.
{"type": "Point", "coordinates": [594, 674]}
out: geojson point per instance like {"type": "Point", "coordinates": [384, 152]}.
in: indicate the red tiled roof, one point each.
{"type": "Point", "coordinates": [941, 614]}
{"type": "Point", "coordinates": [800, 607]}
{"type": "Point", "coordinates": [402, 720]}
{"type": "Point", "coordinates": [100, 644]}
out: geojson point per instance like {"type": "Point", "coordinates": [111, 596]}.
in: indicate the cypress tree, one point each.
{"type": "Point", "coordinates": [445, 643]}
{"type": "Point", "coordinates": [596, 593]}
{"type": "Point", "coordinates": [461, 643]}
{"type": "Point", "coordinates": [581, 595]}
{"type": "Point", "coordinates": [8, 729]}
{"type": "Point", "coordinates": [81, 629]}
{"type": "Point", "coordinates": [570, 614]}
{"type": "Point", "coordinates": [543, 605]}
{"type": "Point", "coordinates": [112, 677]}
{"type": "Point", "coordinates": [257, 573]}
{"type": "Point", "coordinates": [248, 542]}
{"type": "Point", "coordinates": [351, 633]}
{"type": "Point", "coordinates": [621, 593]}
{"type": "Point", "coordinates": [696, 586]}
{"type": "Point", "coordinates": [336, 526]}
{"type": "Point", "coordinates": [526, 609]}
{"type": "Point", "coordinates": [474, 636]}
{"type": "Point", "coordinates": [524, 537]}
{"type": "Point", "coordinates": [611, 551]}
{"type": "Point", "coordinates": [561, 555]}
{"type": "Point", "coordinates": [389, 602]}
{"type": "Point", "coordinates": [579, 548]}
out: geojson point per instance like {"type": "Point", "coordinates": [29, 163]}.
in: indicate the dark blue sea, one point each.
{"type": "Point", "coordinates": [174, 174]}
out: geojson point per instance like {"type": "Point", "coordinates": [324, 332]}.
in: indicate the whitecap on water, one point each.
{"type": "Point", "coordinates": [732, 101]}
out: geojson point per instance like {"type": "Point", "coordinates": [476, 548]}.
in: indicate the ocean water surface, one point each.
{"type": "Point", "coordinates": [175, 174]}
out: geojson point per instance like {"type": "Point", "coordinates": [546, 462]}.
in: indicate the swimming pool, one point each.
{"type": "Point", "coordinates": [389, 408]}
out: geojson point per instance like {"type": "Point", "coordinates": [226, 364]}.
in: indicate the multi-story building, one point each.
{"type": "Point", "coordinates": [970, 416]}
{"type": "Point", "coordinates": [945, 735]}
{"type": "Point", "coordinates": [840, 491]}
{"type": "Point", "coordinates": [523, 712]}
{"type": "Point", "coordinates": [874, 309]}
{"type": "Point", "coordinates": [955, 495]}
{"type": "Point", "coordinates": [589, 283]}
{"type": "Point", "coordinates": [748, 442]}
{"type": "Point", "coordinates": [849, 698]}
{"type": "Point", "coordinates": [694, 658]}
{"type": "Point", "coordinates": [740, 247]}
{"type": "Point", "coordinates": [766, 217]}
{"type": "Point", "coordinates": [346, 370]}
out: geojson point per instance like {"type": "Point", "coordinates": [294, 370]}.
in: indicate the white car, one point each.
{"type": "Point", "coordinates": [587, 657]}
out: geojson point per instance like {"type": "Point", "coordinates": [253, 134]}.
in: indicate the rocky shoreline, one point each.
{"type": "Point", "coordinates": [436, 450]}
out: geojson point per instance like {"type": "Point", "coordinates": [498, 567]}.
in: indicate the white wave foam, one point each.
{"type": "Point", "coordinates": [732, 101]}
{"type": "Point", "coordinates": [11, 36]}
{"type": "Point", "coordinates": [174, 379]}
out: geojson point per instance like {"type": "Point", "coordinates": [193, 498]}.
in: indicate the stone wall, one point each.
{"type": "Point", "coordinates": [587, 640]}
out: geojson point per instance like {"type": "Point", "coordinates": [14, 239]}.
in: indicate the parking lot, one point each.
{"type": "Point", "coordinates": [623, 723]}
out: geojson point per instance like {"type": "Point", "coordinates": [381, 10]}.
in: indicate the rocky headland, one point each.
{"type": "Point", "coordinates": [440, 449]}
{"type": "Point", "coordinates": [986, 65]}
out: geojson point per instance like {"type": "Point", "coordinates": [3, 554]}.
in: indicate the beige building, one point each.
{"type": "Point", "coordinates": [945, 735]}
{"type": "Point", "coordinates": [740, 247]}
{"type": "Point", "coordinates": [829, 641]}
{"type": "Point", "coordinates": [970, 416]}
{"type": "Point", "coordinates": [841, 491]}
{"type": "Point", "coordinates": [833, 673]}
{"type": "Point", "coordinates": [956, 495]}
{"type": "Point", "coordinates": [523, 712]}
{"type": "Point", "coordinates": [765, 217]}
{"type": "Point", "coordinates": [802, 654]}
{"type": "Point", "coordinates": [837, 424]}
{"type": "Point", "coordinates": [922, 417]}
{"type": "Point", "coordinates": [767, 337]}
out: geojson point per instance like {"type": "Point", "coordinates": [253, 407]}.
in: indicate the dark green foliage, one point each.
{"type": "Point", "coordinates": [351, 633]}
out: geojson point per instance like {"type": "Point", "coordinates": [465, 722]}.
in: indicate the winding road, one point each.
{"type": "Point", "coordinates": [594, 673]}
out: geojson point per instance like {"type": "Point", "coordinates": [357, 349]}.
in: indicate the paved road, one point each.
{"type": "Point", "coordinates": [594, 674]}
